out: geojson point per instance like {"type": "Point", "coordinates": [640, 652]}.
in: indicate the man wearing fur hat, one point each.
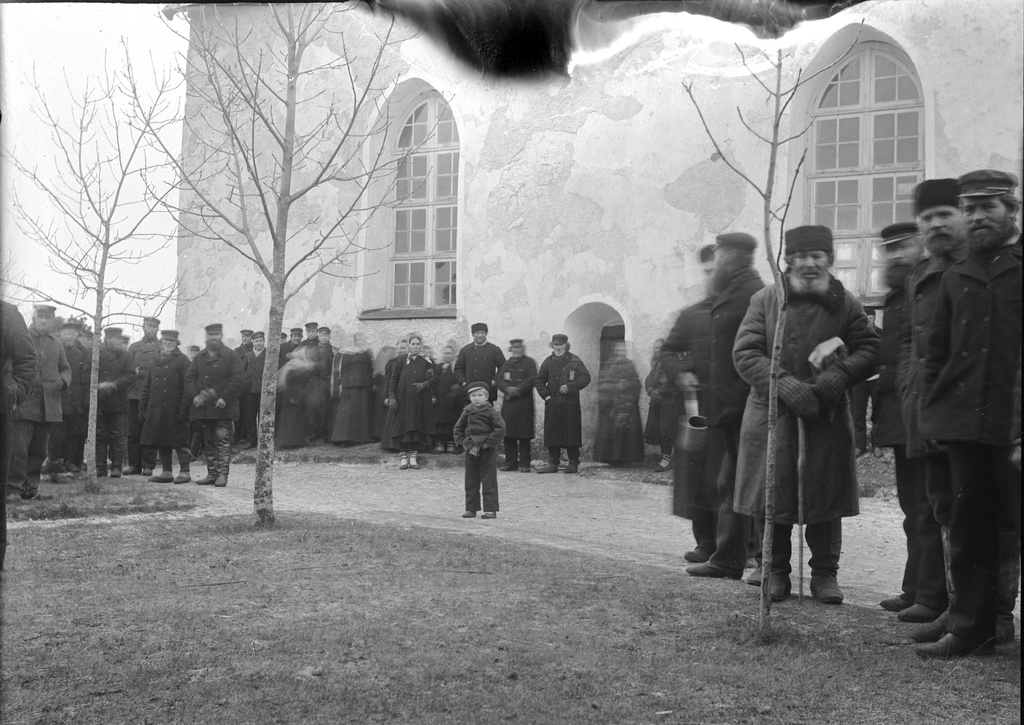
{"type": "Point", "coordinates": [819, 309]}
{"type": "Point", "coordinates": [479, 360]}
{"type": "Point", "coordinates": [163, 409]}
{"type": "Point", "coordinates": [971, 404]}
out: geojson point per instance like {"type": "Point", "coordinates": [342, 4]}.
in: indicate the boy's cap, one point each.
{"type": "Point", "coordinates": [478, 386]}
{"type": "Point", "coordinates": [260, 334]}
{"type": "Point", "coordinates": [323, 328]}
{"type": "Point", "coordinates": [312, 325]}
{"type": "Point", "coordinates": [296, 330]}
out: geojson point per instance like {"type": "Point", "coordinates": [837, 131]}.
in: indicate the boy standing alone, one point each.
{"type": "Point", "coordinates": [480, 430]}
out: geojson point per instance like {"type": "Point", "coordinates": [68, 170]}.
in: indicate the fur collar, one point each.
{"type": "Point", "coordinates": [832, 300]}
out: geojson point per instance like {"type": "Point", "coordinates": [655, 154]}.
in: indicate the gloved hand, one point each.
{"type": "Point", "coordinates": [830, 386]}
{"type": "Point", "coordinates": [799, 396]}
{"type": "Point", "coordinates": [392, 404]}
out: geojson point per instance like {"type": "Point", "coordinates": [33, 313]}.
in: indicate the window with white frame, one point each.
{"type": "Point", "coordinates": [866, 157]}
{"type": "Point", "coordinates": [426, 208]}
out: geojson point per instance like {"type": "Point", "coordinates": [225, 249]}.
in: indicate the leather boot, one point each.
{"type": "Point", "coordinates": [164, 476]}
{"type": "Point", "coordinates": [935, 630]}
{"type": "Point", "coordinates": [208, 480]}
{"type": "Point", "coordinates": [1009, 585]}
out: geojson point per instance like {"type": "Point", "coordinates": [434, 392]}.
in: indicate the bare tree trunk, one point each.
{"type": "Point", "coordinates": [263, 487]}
{"type": "Point", "coordinates": [94, 377]}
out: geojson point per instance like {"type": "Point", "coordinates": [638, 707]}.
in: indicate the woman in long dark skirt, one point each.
{"type": "Point", "coordinates": [352, 391]}
{"type": "Point", "coordinates": [661, 415]}
{"type": "Point", "coordinates": [292, 380]}
{"type": "Point", "coordinates": [620, 436]}
{"type": "Point", "coordinates": [387, 441]}
{"type": "Point", "coordinates": [410, 396]}
{"type": "Point", "coordinates": [449, 405]}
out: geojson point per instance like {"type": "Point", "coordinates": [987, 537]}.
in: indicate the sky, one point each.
{"type": "Point", "coordinates": [71, 41]}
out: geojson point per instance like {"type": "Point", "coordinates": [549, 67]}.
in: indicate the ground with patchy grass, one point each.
{"type": "Point", "coordinates": [334, 620]}
{"type": "Point", "coordinates": [76, 498]}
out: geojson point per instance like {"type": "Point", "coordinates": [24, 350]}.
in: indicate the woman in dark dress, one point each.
{"type": "Point", "coordinates": [661, 415]}
{"type": "Point", "coordinates": [449, 400]}
{"type": "Point", "coordinates": [352, 391]}
{"type": "Point", "coordinates": [387, 441]}
{"type": "Point", "coordinates": [410, 396]}
{"type": "Point", "coordinates": [292, 380]}
{"type": "Point", "coordinates": [620, 437]}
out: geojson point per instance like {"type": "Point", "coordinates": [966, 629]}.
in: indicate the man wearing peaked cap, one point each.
{"type": "Point", "coordinates": [213, 383]}
{"type": "Point", "coordinates": [116, 375]}
{"type": "Point", "coordinates": [815, 394]}
{"type": "Point", "coordinates": [479, 360]}
{"type": "Point", "coordinates": [163, 411]}
{"type": "Point", "coordinates": [516, 378]}
{"type": "Point", "coordinates": [241, 430]}
{"type": "Point", "coordinates": [41, 409]}
{"type": "Point", "coordinates": [253, 365]}
{"type": "Point", "coordinates": [143, 353]}
{"type": "Point", "coordinates": [971, 404]}
{"type": "Point", "coordinates": [560, 379]}
{"type": "Point", "coordinates": [67, 439]}
{"type": "Point", "coordinates": [312, 335]}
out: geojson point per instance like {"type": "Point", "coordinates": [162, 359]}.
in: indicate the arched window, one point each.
{"type": "Point", "coordinates": [426, 207]}
{"type": "Point", "coordinates": [866, 156]}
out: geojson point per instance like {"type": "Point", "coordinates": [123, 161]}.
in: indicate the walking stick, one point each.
{"type": "Point", "coordinates": [801, 464]}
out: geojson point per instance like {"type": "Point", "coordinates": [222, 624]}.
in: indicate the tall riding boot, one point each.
{"type": "Point", "coordinates": [934, 631]}
{"type": "Point", "coordinates": [1009, 584]}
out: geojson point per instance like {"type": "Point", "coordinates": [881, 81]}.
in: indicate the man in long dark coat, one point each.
{"type": "Point", "coordinates": [971, 404]}
{"type": "Point", "coordinates": [143, 352]}
{"type": "Point", "coordinates": [941, 223]}
{"type": "Point", "coordinates": [819, 310]}
{"type": "Point", "coordinates": [923, 595]}
{"type": "Point", "coordinates": [212, 384]}
{"type": "Point", "coordinates": [516, 378]}
{"type": "Point", "coordinates": [733, 282]}
{"type": "Point", "coordinates": [116, 375]}
{"type": "Point", "coordinates": [241, 430]}
{"type": "Point", "coordinates": [253, 365]}
{"type": "Point", "coordinates": [67, 440]}
{"type": "Point", "coordinates": [18, 371]}
{"type": "Point", "coordinates": [479, 360]}
{"type": "Point", "coordinates": [163, 410]}
{"type": "Point", "coordinates": [318, 389]}
{"type": "Point", "coordinates": [41, 409]}
{"type": "Point", "coordinates": [559, 381]}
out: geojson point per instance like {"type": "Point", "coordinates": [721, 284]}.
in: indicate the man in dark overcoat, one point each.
{"type": "Point", "coordinates": [312, 336]}
{"type": "Point", "coordinates": [116, 375]}
{"type": "Point", "coordinates": [724, 395]}
{"type": "Point", "coordinates": [67, 440]}
{"type": "Point", "coordinates": [213, 383]}
{"type": "Point", "coordinates": [241, 430]}
{"type": "Point", "coordinates": [253, 365]}
{"type": "Point", "coordinates": [479, 360]}
{"type": "Point", "coordinates": [923, 588]}
{"type": "Point", "coordinates": [942, 227]}
{"type": "Point", "coordinates": [516, 378]}
{"type": "Point", "coordinates": [41, 409]}
{"type": "Point", "coordinates": [18, 372]}
{"type": "Point", "coordinates": [972, 370]}
{"type": "Point", "coordinates": [559, 381]}
{"type": "Point", "coordinates": [163, 410]}
{"type": "Point", "coordinates": [819, 309]}
{"type": "Point", "coordinates": [143, 352]}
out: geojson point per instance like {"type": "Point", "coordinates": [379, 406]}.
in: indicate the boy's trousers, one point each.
{"type": "Point", "coordinates": [482, 471]}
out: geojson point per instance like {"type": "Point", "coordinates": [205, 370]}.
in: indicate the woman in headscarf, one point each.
{"type": "Point", "coordinates": [661, 414]}
{"type": "Point", "coordinates": [619, 430]}
{"type": "Point", "coordinates": [449, 400]}
{"type": "Point", "coordinates": [352, 391]}
{"type": "Point", "coordinates": [387, 441]}
{"type": "Point", "coordinates": [410, 393]}
{"type": "Point", "coordinates": [292, 380]}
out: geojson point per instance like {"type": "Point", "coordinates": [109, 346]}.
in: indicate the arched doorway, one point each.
{"type": "Point", "coordinates": [593, 328]}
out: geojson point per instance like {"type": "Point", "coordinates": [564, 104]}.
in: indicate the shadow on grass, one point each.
{"type": "Point", "coordinates": [332, 620]}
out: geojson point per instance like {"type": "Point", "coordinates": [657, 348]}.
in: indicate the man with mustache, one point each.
{"type": "Point", "coordinates": [819, 309]}
{"type": "Point", "coordinates": [971, 405]}
{"type": "Point", "coordinates": [942, 228]}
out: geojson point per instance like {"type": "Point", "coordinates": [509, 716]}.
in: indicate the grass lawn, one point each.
{"type": "Point", "coordinates": [109, 497]}
{"type": "Point", "coordinates": [328, 620]}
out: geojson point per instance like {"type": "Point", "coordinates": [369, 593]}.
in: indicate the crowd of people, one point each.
{"type": "Point", "coordinates": [946, 371]}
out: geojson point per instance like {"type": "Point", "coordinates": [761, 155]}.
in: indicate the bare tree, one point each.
{"type": "Point", "coordinates": [105, 197]}
{"type": "Point", "coordinates": [778, 100]}
{"type": "Point", "coordinates": [286, 117]}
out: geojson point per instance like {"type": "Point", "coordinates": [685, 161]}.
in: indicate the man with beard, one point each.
{"type": "Point", "coordinates": [559, 381]}
{"type": "Point", "coordinates": [143, 353]}
{"type": "Point", "coordinates": [163, 410]}
{"type": "Point", "coordinates": [479, 360]}
{"type": "Point", "coordinates": [709, 368]}
{"type": "Point", "coordinates": [252, 365]}
{"type": "Point", "coordinates": [970, 404]}
{"type": "Point", "coordinates": [212, 384]}
{"type": "Point", "coordinates": [115, 377]}
{"type": "Point", "coordinates": [819, 309]}
{"type": "Point", "coordinates": [67, 440]}
{"type": "Point", "coordinates": [38, 412]}
{"type": "Point", "coordinates": [923, 595]}
{"type": "Point", "coordinates": [937, 206]}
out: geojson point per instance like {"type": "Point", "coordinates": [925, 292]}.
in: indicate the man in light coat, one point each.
{"type": "Point", "coordinates": [819, 309]}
